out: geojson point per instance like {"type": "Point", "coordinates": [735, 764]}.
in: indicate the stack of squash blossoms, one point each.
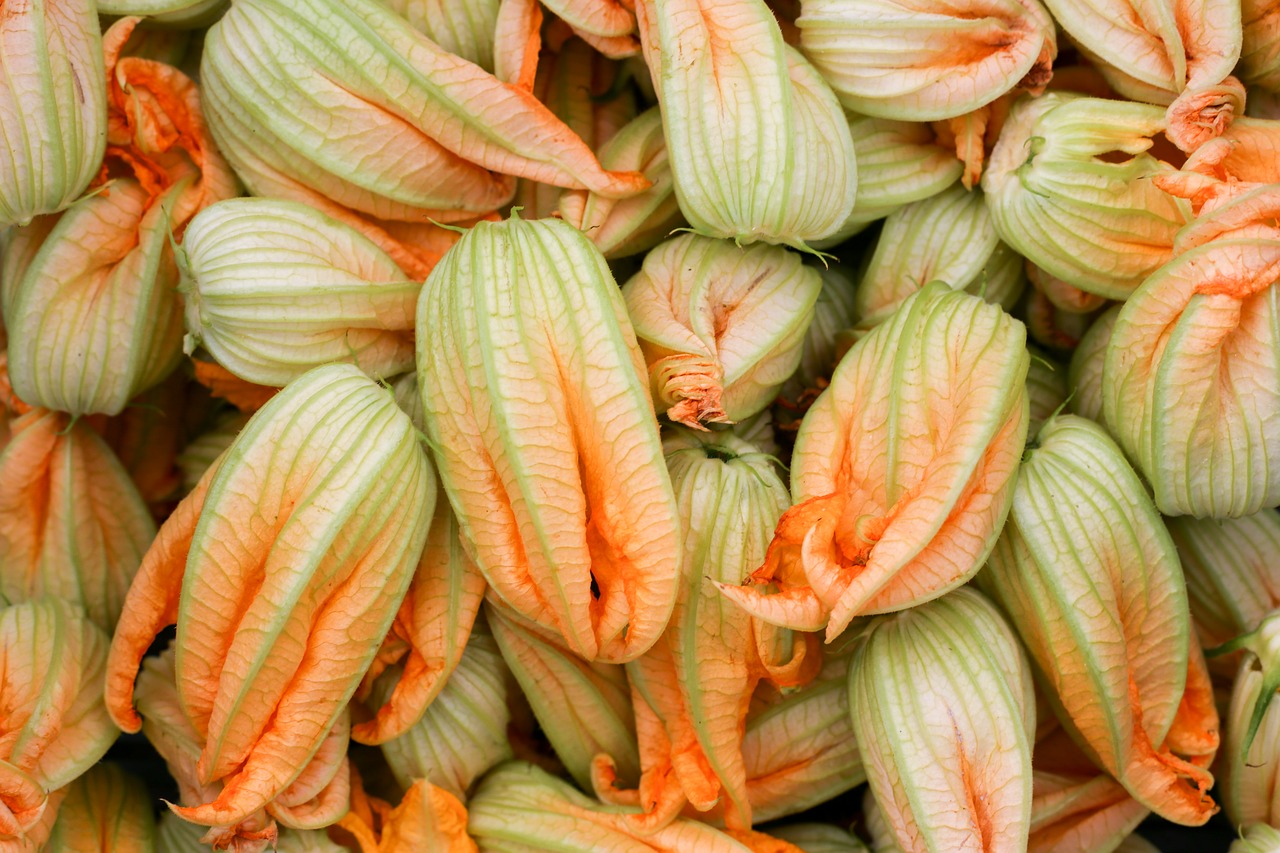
{"type": "Point", "coordinates": [789, 426]}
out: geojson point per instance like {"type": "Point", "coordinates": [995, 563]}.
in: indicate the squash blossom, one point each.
{"type": "Point", "coordinates": [948, 237]}
{"type": "Point", "coordinates": [55, 725]}
{"type": "Point", "coordinates": [693, 689]}
{"type": "Point", "coordinates": [1084, 373]}
{"type": "Point", "coordinates": [344, 106]}
{"type": "Point", "coordinates": [919, 60]}
{"type": "Point", "coordinates": [1256, 838]}
{"type": "Point", "coordinates": [283, 571]}
{"type": "Point", "coordinates": [1099, 225]}
{"type": "Point", "coordinates": [629, 226]}
{"type": "Point", "coordinates": [1090, 578]}
{"type": "Point", "coordinates": [520, 806]}
{"type": "Point", "coordinates": [93, 314]}
{"type": "Point", "coordinates": [833, 314]}
{"type": "Point", "coordinates": [1191, 384]}
{"type": "Point", "coordinates": [147, 438]}
{"type": "Point", "coordinates": [1046, 388]}
{"type": "Point", "coordinates": [1249, 767]}
{"type": "Point", "coordinates": [819, 838]}
{"type": "Point", "coordinates": [943, 709]}
{"type": "Point", "coordinates": [53, 106]}
{"type": "Point", "coordinates": [464, 730]}
{"type": "Point", "coordinates": [204, 449]}
{"type": "Point", "coordinates": [798, 746]}
{"type": "Point", "coordinates": [428, 818]}
{"type": "Point", "coordinates": [105, 811]}
{"type": "Point", "coordinates": [545, 436]}
{"type": "Point", "coordinates": [1166, 52]}
{"type": "Point", "coordinates": [466, 30]}
{"type": "Point", "coordinates": [721, 327]}
{"type": "Point", "coordinates": [72, 524]}
{"type": "Point", "coordinates": [247, 263]}
{"type": "Point", "coordinates": [1260, 45]}
{"type": "Point", "coordinates": [317, 797]}
{"type": "Point", "coordinates": [758, 145]}
{"type": "Point", "coordinates": [175, 835]}
{"type": "Point", "coordinates": [903, 468]}
{"type": "Point", "coordinates": [584, 708]}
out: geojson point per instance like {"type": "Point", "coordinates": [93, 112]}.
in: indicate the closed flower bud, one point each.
{"type": "Point", "coordinates": [466, 30]}
{"type": "Point", "coordinates": [583, 708]}
{"type": "Point", "coordinates": [819, 838]}
{"type": "Point", "coordinates": [943, 709]}
{"type": "Point", "coordinates": [545, 436]}
{"type": "Point", "coordinates": [464, 730]}
{"type": "Point", "coordinates": [283, 571]}
{"type": "Point", "coordinates": [1257, 838]}
{"type": "Point", "coordinates": [1100, 225]}
{"type": "Point", "coordinates": [1046, 389]}
{"type": "Point", "coordinates": [187, 14]}
{"type": "Point", "coordinates": [892, 509]}
{"type": "Point", "coordinates": [274, 288]}
{"type": "Point", "coordinates": [834, 312]}
{"type": "Point", "coordinates": [105, 811]}
{"type": "Point", "coordinates": [623, 227]}
{"type": "Point", "coordinates": [1249, 767]}
{"type": "Point", "coordinates": [203, 450]}
{"type": "Point", "coordinates": [799, 750]}
{"type": "Point", "coordinates": [55, 724]}
{"type": "Point", "coordinates": [276, 77]}
{"type": "Point", "coordinates": [1191, 385]}
{"type": "Point", "coordinates": [948, 237]}
{"type": "Point", "coordinates": [758, 145]}
{"type": "Point", "coordinates": [1090, 578]}
{"type": "Point", "coordinates": [721, 327]}
{"type": "Point", "coordinates": [1260, 45]}
{"type": "Point", "coordinates": [519, 804]}
{"type": "Point", "coordinates": [72, 524]}
{"type": "Point", "coordinates": [52, 98]}
{"type": "Point", "coordinates": [923, 61]}
{"type": "Point", "coordinates": [1084, 373]}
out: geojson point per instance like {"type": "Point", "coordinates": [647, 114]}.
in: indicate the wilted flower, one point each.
{"type": "Point", "coordinates": [1099, 225]}
{"type": "Point", "coordinates": [247, 264]}
{"type": "Point", "coordinates": [918, 60]}
{"type": "Point", "coordinates": [892, 507]}
{"type": "Point", "coordinates": [52, 98]}
{"type": "Point", "coordinates": [283, 570]}
{"type": "Point", "coordinates": [943, 708]}
{"type": "Point", "coordinates": [721, 327]}
{"type": "Point", "coordinates": [545, 436]}
{"type": "Point", "coordinates": [1090, 578]}
{"type": "Point", "coordinates": [758, 145]}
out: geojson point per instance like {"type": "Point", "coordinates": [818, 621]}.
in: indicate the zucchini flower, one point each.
{"type": "Point", "coordinates": [545, 436]}
{"type": "Point", "coordinates": [623, 227]}
{"type": "Point", "coordinates": [1191, 384]}
{"type": "Point", "coordinates": [466, 30]}
{"type": "Point", "coordinates": [464, 731]}
{"type": "Point", "coordinates": [72, 524]}
{"type": "Point", "coordinates": [799, 750]}
{"type": "Point", "coordinates": [1167, 52]}
{"type": "Point", "coordinates": [692, 690]}
{"type": "Point", "coordinates": [919, 61]}
{"type": "Point", "coordinates": [758, 145]}
{"type": "Point", "coordinates": [1233, 578]}
{"type": "Point", "coordinates": [1084, 373]}
{"type": "Point", "coordinates": [105, 810]}
{"type": "Point", "coordinates": [1046, 389]}
{"type": "Point", "coordinates": [1090, 578]}
{"type": "Point", "coordinates": [903, 469]}
{"type": "Point", "coordinates": [248, 263]}
{"type": "Point", "coordinates": [819, 838]}
{"type": "Point", "coordinates": [1249, 767]}
{"type": "Point", "coordinates": [93, 316]}
{"type": "Point", "coordinates": [585, 91]}
{"type": "Point", "coordinates": [518, 804]}
{"type": "Point", "coordinates": [427, 818]}
{"type": "Point", "coordinates": [55, 725]}
{"type": "Point", "coordinates": [283, 570]}
{"type": "Point", "coordinates": [1257, 838]}
{"type": "Point", "coordinates": [147, 437]}
{"type": "Point", "coordinates": [721, 327]}
{"type": "Point", "coordinates": [203, 450]}
{"type": "Point", "coordinates": [53, 106]}
{"type": "Point", "coordinates": [317, 797]}
{"type": "Point", "coordinates": [1099, 225]}
{"type": "Point", "coordinates": [834, 312]}
{"type": "Point", "coordinates": [944, 712]}
{"type": "Point", "coordinates": [187, 14]}
{"type": "Point", "coordinates": [175, 835]}
{"type": "Point", "coordinates": [607, 25]}
{"type": "Point", "coordinates": [583, 708]}
{"type": "Point", "coordinates": [898, 162]}
{"type": "Point", "coordinates": [947, 237]}
{"type": "Point", "coordinates": [1064, 297]}
{"type": "Point", "coordinates": [326, 101]}
{"type": "Point", "coordinates": [429, 635]}
{"type": "Point", "coordinates": [1260, 45]}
